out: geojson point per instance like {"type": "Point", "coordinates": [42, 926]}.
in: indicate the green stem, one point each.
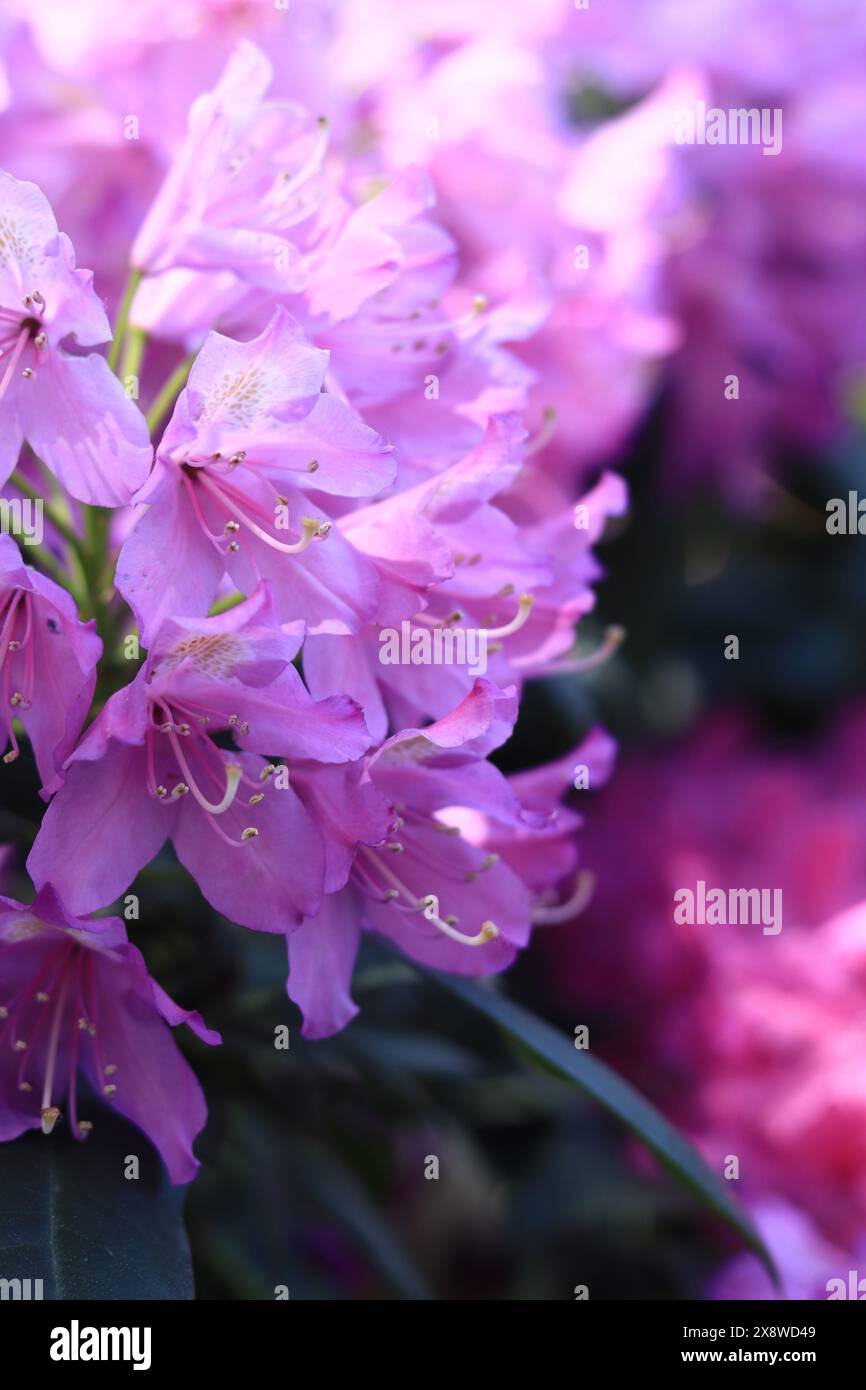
{"type": "Point", "coordinates": [130, 288]}
{"type": "Point", "coordinates": [50, 482]}
{"type": "Point", "coordinates": [50, 563]}
{"type": "Point", "coordinates": [59, 523]}
{"type": "Point", "coordinates": [169, 391]}
{"type": "Point", "coordinates": [95, 558]}
{"type": "Point", "coordinates": [136, 342]}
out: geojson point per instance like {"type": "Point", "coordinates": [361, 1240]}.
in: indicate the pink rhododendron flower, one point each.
{"type": "Point", "coordinates": [452, 561]}
{"type": "Point", "coordinates": [247, 173]}
{"type": "Point", "coordinates": [71, 409]}
{"type": "Point", "coordinates": [251, 435]}
{"type": "Point", "coordinates": [542, 847]}
{"type": "Point", "coordinates": [148, 769]}
{"type": "Point", "coordinates": [77, 1000]}
{"type": "Point", "coordinates": [583, 223]}
{"type": "Point", "coordinates": [422, 542]}
{"type": "Point", "coordinates": [47, 664]}
{"type": "Point", "coordinates": [249, 202]}
{"type": "Point", "coordinates": [441, 899]}
{"type": "Point", "coordinates": [424, 339]}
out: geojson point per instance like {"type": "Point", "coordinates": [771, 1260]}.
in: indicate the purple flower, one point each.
{"type": "Point", "coordinates": [148, 769]}
{"type": "Point", "coordinates": [251, 433]}
{"type": "Point", "coordinates": [405, 345]}
{"type": "Point", "coordinates": [541, 846]}
{"type": "Point", "coordinates": [247, 173]}
{"type": "Point", "coordinates": [443, 900]}
{"type": "Point", "coordinates": [69, 407]}
{"type": "Point", "coordinates": [76, 999]}
{"type": "Point", "coordinates": [451, 558]}
{"type": "Point", "coordinates": [47, 665]}
{"type": "Point", "coordinates": [249, 206]}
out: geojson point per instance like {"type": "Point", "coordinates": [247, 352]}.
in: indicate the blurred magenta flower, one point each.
{"type": "Point", "coordinates": [806, 1261]}
{"type": "Point", "coordinates": [247, 173]}
{"type": "Point", "coordinates": [752, 1042]}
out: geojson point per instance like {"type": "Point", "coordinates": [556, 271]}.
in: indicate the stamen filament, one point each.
{"type": "Point", "coordinates": [614, 637]}
{"type": "Point", "coordinates": [218, 541]}
{"type": "Point", "coordinates": [488, 931]}
{"type": "Point", "coordinates": [584, 887]}
{"type": "Point", "coordinates": [429, 906]}
{"type": "Point", "coordinates": [311, 528]}
{"type": "Point", "coordinates": [283, 187]}
{"type": "Point", "coordinates": [19, 347]}
{"type": "Point", "coordinates": [50, 1114]}
{"type": "Point", "coordinates": [232, 776]}
{"type": "Point", "coordinates": [524, 608]}
{"type": "Point", "coordinates": [543, 435]}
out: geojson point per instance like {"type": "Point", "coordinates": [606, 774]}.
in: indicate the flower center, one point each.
{"type": "Point", "coordinates": [211, 654]}
{"type": "Point", "coordinates": [20, 334]}
{"type": "Point", "coordinates": [242, 513]}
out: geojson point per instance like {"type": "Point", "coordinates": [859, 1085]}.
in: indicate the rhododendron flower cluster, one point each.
{"type": "Point", "coordinates": [344, 346]}
{"type": "Point", "coordinates": [339, 448]}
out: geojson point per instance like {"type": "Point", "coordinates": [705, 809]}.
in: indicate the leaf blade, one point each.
{"type": "Point", "coordinates": [673, 1151]}
{"type": "Point", "coordinates": [69, 1217]}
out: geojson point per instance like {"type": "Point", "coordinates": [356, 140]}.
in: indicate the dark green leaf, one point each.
{"type": "Point", "coordinates": [69, 1216]}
